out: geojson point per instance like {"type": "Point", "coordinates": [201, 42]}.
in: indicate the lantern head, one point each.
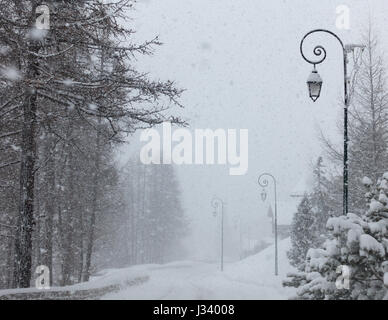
{"type": "Point", "coordinates": [314, 83]}
{"type": "Point", "coordinates": [263, 195]}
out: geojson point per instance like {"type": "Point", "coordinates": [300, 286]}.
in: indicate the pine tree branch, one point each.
{"type": "Point", "coordinates": [4, 165]}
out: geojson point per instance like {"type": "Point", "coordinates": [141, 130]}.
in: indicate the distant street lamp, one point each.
{"type": "Point", "coordinates": [263, 182]}
{"type": "Point", "coordinates": [237, 225]}
{"type": "Point", "coordinates": [314, 83]}
{"type": "Point", "coordinates": [218, 205]}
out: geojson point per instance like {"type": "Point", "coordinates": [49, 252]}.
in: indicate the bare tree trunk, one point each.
{"type": "Point", "coordinates": [25, 221]}
{"type": "Point", "coordinates": [23, 244]}
{"type": "Point", "coordinates": [81, 246]}
{"type": "Point", "coordinates": [68, 219]}
{"type": "Point", "coordinates": [47, 257]}
{"type": "Point", "coordinates": [89, 249]}
{"type": "Point", "coordinates": [37, 234]}
{"type": "Point", "coordinates": [96, 177]}
{"type": "Point", "coordinates": [10, 255]}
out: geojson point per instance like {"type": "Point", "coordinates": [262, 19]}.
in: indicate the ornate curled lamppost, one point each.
{"type": "Point", "coordinates": [263, 182]}
{"type": "Point", "coordinates": [218, 205]}
{"type": "Point", "coordinates": [314, 83]}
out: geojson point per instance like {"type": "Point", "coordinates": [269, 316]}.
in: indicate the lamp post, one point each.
{"type": "Point", "coordinates": [237, 225]}
{"type": "Point", "coordinates": [263, 182]}
{"type": "Point", "coordinates": [218, 205]}
{"type": "Point", "coordinates": [314, 83]}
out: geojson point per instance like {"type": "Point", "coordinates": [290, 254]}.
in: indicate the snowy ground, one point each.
{"type": "Point", "coordinates": [251, 278]}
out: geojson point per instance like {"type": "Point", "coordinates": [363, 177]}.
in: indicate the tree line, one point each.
{"type": "Point", "coordinates": [69, 96]}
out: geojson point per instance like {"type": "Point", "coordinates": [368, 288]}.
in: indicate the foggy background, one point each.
{"type": "Point", "coordinates": [241, 66]}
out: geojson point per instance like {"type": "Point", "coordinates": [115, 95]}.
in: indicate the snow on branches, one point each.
{"type": "Point", "coordinates": [358, 243]}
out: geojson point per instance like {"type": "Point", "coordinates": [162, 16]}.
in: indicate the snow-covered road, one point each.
{"type": "Point", "coordinates": [251, 278]}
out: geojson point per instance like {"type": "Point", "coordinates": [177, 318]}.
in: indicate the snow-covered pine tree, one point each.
{"type": "Point", "coordinates": [320, 199]}
{"type": "Point", "coordinates": [303, 233]}
{"type": "Point", "coordinates": [308, 228]}
{"type": "Point", "coordinates": [357, 243]}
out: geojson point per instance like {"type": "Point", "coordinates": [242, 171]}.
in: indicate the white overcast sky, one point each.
{"type": "Point", "coordinates": [240, 63]}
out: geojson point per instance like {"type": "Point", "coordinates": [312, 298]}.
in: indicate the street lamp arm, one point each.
{"type": "Point", "coordinates": [217, 203]}
{"type": "Point", "coordinates": [319, 50]}
{"type": "Point", "coordinates": [263, 180]}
